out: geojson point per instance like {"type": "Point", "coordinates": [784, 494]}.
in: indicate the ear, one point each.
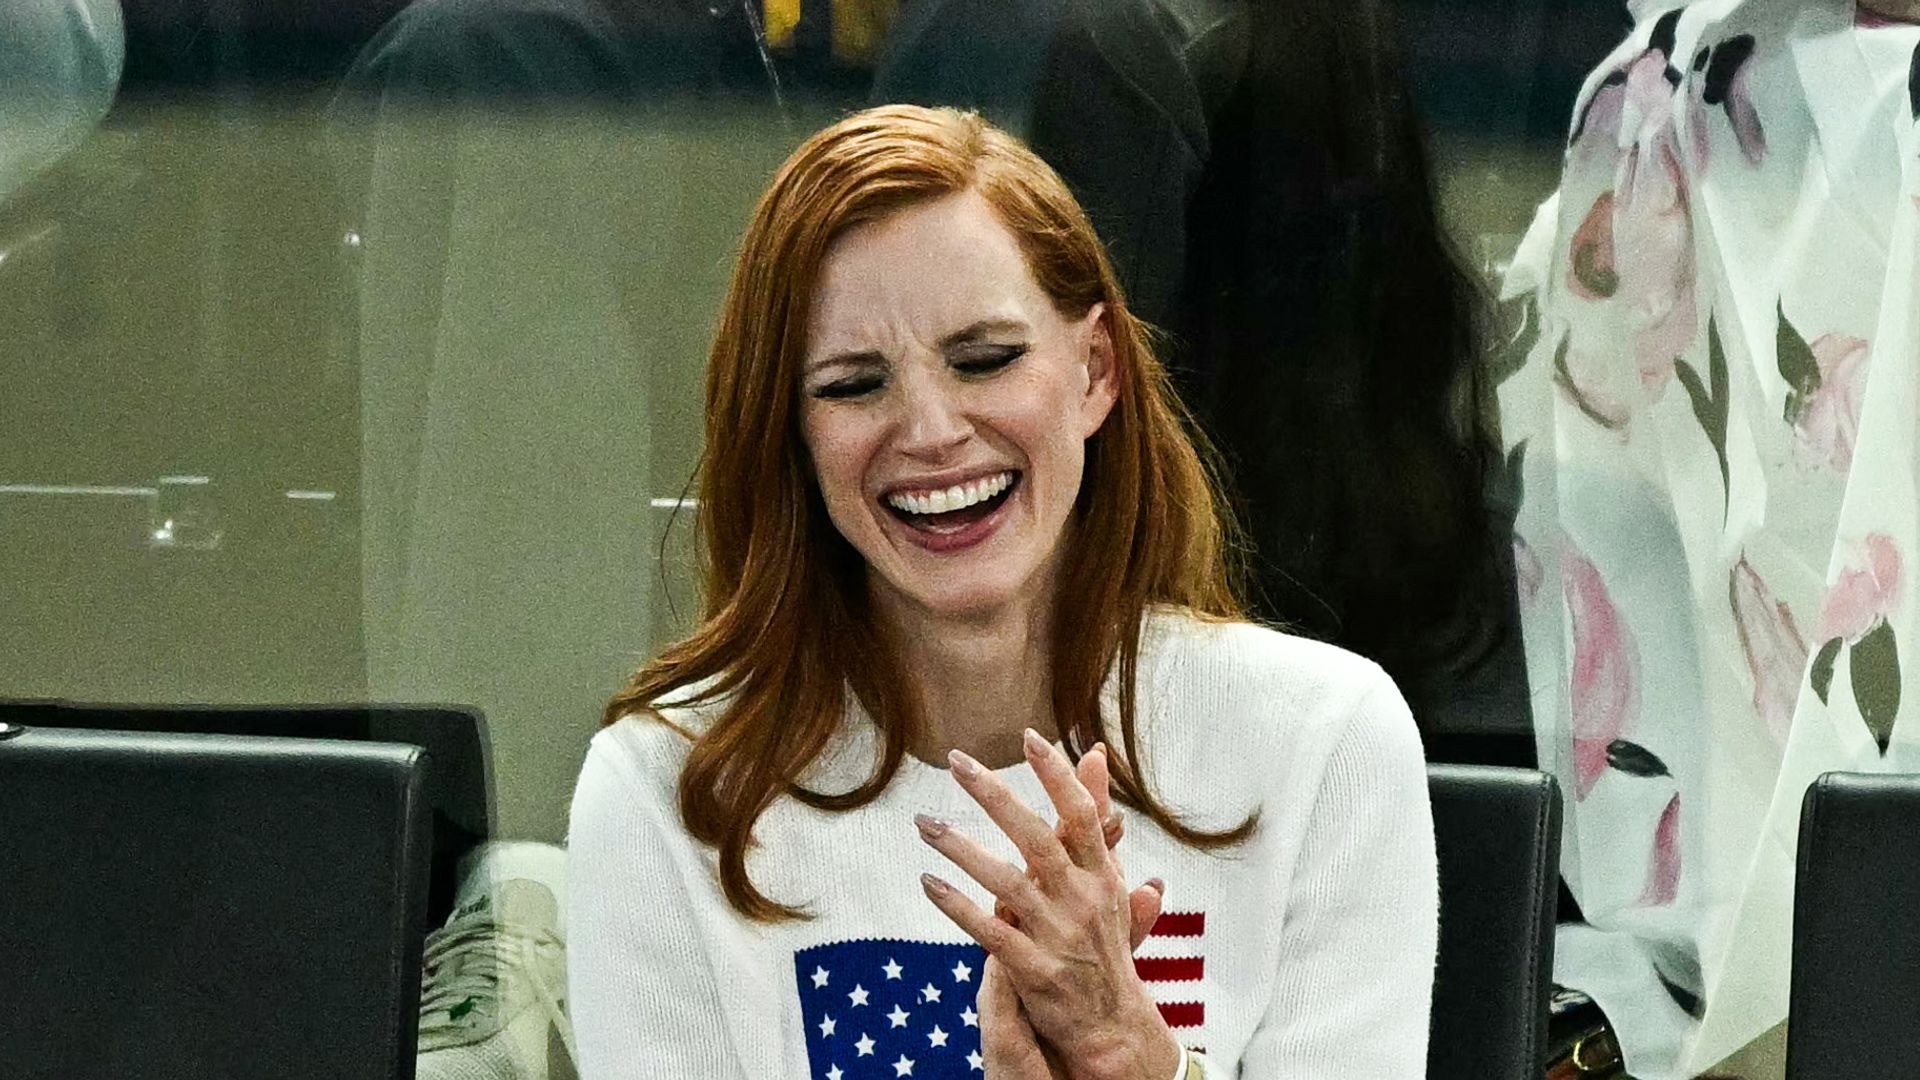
{"type": "Point", "coordinates": [1103, 374]}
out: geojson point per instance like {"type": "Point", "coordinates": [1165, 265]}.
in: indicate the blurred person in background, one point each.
{"type": "Point", "coordinates": [60, 65]}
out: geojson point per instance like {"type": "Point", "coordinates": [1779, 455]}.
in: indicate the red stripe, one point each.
{"type": "Point", "coordinates": [1183, 1013]}
{"type": "Point", "coordinates": [1170, 968]}
{"type": "Point", "coordinates": [1180, 924]}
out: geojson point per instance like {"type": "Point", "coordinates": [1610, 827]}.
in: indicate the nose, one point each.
{"type": "Point", "coordinates": [934, 423]}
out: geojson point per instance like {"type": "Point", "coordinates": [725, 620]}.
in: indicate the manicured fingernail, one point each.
{"type": "Point", "coordinates": [1036, 746]}
{"type": "Point", "coordinates": [934, 886]}
{"type": "Point", "coordinates": [1098, 748]}
{"type": "Point", "coordinates": [931, 828]}
{"type": "Point", "coordinates": [1116, 819]}
{"type": "Point", "coordinates": [965, 766]}
{"type": "Point", "coordinates": [1157, 885]}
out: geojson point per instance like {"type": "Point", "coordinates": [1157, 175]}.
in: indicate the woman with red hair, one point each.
{"type": "Point", "coordinates": [965, 566]}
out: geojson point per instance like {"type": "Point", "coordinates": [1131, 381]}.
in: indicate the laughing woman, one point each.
{"type": "Point", "coordinates": [967, 594]}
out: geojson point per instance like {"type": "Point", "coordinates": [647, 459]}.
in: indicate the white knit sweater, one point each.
{"type": "Point", "coordinates": [1306, 954]}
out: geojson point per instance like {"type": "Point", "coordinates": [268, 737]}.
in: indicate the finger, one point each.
{"type": "Point", "coordinates": [1143, 910]}
{"type": "Point", "coordinates": [1092, 771]}
{"type": "Point", "coordinates": [1094, 776]}
{"type": "Point", "coordinates": [1013, 948]}
{"type": "Point", "coordinates": [1029, 832]}
{"type": "Point", "coordinates": [1009, 884]}
{"type": "Point", "coordinates": [1080, 831]}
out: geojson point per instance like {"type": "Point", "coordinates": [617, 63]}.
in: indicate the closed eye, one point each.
{"type": "Point", "coordinates": [986, 361]}
{"type": "Point", "coordinates": [852, 386]}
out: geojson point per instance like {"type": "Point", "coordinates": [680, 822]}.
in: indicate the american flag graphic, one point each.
{"type": "Point", "coordinates": [886, 1009]}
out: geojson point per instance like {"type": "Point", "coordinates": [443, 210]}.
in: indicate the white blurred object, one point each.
{"type": "Point", "coordinates": [492, 997]}
{"type": "Point", "coordinates": [60, 66]}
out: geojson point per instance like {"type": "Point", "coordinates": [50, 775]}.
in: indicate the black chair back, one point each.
{"type": "Point", "coordinates": [195, 906]}
{"type": "Point", "coordinates": [459, 789]}
{"type": "Point", "coordinates": [1497, 831]}
{"type": "Point", "coordinates": [1855, 991]}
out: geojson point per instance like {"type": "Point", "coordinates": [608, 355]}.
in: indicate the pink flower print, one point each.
{"type": "Point", "coordinates": [1721, 79]}
{"type": "Point", "coordinates": [1776, 653]}
{"type": "Point", "coordinates": [1663, 863]}
{"type": "Point", "coordinates": [1866, 592]}
{"type": "Point", "coordinates": [1598, 129]}
{"type": "Point", "coordinates": [1828, 424]}
{"type": "Point", "coordinates": [1646, 106]}
{"type": "Point", "coordinates": [1747, 132]}
{"type": "Point", "coordinates": [1605, 684]}
{"type": "Point", "coordinates": [1590, 272]}
{"type": "Point", "coordinates": [1697, 115]}
{"type": "Point", "coordinates": [1653, 254]}
{"type": "Point", "coordinates": [1592, 382]}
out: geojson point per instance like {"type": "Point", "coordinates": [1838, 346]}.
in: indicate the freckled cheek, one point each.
{"type": "Point", "coordinates": [841, 458]}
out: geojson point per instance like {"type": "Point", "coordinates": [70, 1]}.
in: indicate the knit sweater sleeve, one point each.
{"type": "Point", "coordinates": [1355, 984]}
{"type": "Point", "coordinates": [644, 988]}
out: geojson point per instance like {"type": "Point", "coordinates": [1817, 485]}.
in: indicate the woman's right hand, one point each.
{"type": "Point", "coordinates": [1009, 1048]}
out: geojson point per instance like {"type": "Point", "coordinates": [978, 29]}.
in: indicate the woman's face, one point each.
{"type": "Point", "coordinates": [946, 406]}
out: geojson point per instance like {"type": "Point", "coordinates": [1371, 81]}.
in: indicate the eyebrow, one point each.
{"type": "Point", "coordinates": [971, 333]}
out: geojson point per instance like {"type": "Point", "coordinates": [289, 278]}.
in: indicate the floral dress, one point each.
{"type": "Point", "coordinates": [1715, 424]}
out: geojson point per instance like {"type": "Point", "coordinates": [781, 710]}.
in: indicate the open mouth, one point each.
{"type": "Point", "coordinates": [953, 509]}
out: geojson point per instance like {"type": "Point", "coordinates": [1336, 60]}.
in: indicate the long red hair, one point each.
{"type": "Point", "coordinates": [785, 632]}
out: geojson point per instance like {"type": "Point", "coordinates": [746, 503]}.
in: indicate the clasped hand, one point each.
{"type": "Point", "coordinates": [1059, 996]}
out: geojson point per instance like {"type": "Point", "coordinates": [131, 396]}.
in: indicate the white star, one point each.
{"type": "Point", "coordinates": [834, 1073]}
{"type": "Point", "coordinates": [826, 1027]}
{"type": "Point", "coordinates": [819, 977]}
{"type": "Point", "coordinates": [930, 993]}
{"type": "Point", "coordinates": [903, 1067]}
{"type": "Point", "coordinates": [865, 1045]}
{"type": "Point", "coordinates": [962, 973]}
{"type": "Point", "coordinates": [898, 1016]}
{"type": "Point", "coordinates": [974, 1059]}
{"type": "Point", "coordinates": [936, 1036]}
{"type": "Point", "coordinates": [970, 1018]}
{"type": "Point", "coordinates": [892, 969]}
{"type": "Point", "coordinates": [859, 995]}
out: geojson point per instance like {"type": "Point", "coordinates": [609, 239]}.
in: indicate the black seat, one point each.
{"type": "Point", "coordinates": [458, 776]}
{"type": "Point", "coordinates": [1497, 831]}
{"type": "Point", "coordinates": [197, 906]}
{"type": "Point", "coordinates": [1855, 991]}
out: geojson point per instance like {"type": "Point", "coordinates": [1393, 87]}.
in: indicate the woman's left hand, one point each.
{"type": "Point", "coordinates": [1069, 958]}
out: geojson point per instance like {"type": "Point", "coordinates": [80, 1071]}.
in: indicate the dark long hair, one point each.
{"type": "Point", "coordinates": [1331, 345]}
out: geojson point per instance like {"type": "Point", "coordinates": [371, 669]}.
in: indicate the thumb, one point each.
{"type": "Point", "coordinates": [1143, 910]}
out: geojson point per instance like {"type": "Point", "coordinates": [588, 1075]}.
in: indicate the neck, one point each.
{"type": "Point", "coordinates": [981, 681]}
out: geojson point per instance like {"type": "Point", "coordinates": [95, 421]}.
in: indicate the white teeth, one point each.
{"type": "Point", "coordinates": [957, 497]}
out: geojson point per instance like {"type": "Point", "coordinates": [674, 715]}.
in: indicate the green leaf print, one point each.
{"type": "Point", "coordinates": [1875, 668]}
{"type": "Point", "coordinates": [1795, 359]}
{"type": "Point", "coordinates": [1634, 759]}
{"type": "Point", "coordinates": [1822, 674]}
{"type": "Point", "coordinates": [1710, 403]}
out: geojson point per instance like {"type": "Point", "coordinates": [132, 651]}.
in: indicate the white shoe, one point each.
{"type": "Point", "coordinates": [492, 997]}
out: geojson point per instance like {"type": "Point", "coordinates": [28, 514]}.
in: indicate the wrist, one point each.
{"type": "Point", "coordinates": [1145, 1049]}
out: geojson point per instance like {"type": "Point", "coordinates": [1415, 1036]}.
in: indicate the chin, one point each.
{"type": "Point", "coordinates": [968, 598]}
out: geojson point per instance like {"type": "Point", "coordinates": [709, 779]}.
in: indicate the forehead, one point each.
{"type": "Point", "coordinates": [923, 272]}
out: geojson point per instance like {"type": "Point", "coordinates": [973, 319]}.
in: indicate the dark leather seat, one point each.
{"type": "Point", "coordinates": [1855, 993]}
{"type": "Point", "coordinates": [459, 790]}
{"type": "Point", "coordinates": [1497, 831]}
{"type": "Point", "coordinates": [209, 906]}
